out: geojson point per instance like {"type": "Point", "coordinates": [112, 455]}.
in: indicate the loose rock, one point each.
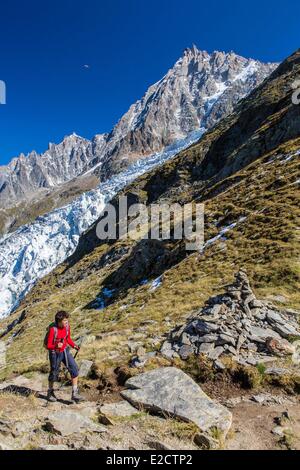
{"type": "Point", "coordinates": [280, 347]}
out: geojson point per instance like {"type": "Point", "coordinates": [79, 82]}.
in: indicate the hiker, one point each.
{"type": "Point", "coordinates": [57, 340]}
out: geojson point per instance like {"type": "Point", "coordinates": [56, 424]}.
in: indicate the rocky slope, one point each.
{"type": "Point", "coordinates": [198, 91]}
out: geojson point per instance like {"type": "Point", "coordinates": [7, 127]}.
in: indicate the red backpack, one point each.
{"type": "Point", "coordinates": [53, 325]}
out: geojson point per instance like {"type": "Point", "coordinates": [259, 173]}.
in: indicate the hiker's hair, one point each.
{"type": "Point", "coordinates": [61, 315]}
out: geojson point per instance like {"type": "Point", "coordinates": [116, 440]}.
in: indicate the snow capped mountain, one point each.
{"type": "Point", "coordinates": [199, 90]}
{"type": "Point", "coordinates": [35, 250]}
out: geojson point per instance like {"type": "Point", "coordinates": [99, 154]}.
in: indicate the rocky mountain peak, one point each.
{"type": "Point", "coordinates": [193, 52]}
{"type": "Point", "coordinates": [196, 92]}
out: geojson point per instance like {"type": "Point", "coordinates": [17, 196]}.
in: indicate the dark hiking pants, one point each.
{"type": "Point", "coordinates": [65, 357]}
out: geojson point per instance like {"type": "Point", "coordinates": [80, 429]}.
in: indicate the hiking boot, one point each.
{"type": "Point", "coordinates": [51, 396]}
{"type": "Point", "coordinates": [77, 397]}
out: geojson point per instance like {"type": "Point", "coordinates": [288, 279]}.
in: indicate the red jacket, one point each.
{"type": "Point", "coordinates": [63, 336]}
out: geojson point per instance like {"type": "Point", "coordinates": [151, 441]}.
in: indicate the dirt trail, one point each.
{"type": "Point", "coordinates": [253, 424]}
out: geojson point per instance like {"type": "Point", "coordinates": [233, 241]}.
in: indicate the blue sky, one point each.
{"type": "Point", "coordinates": [128, 45]}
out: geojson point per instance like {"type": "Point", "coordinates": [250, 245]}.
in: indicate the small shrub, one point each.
{"type": "Point", "coordinates": [261, 369]}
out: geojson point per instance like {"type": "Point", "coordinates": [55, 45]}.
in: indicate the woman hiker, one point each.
{"type": "Point", "coordinates": [57, 341]}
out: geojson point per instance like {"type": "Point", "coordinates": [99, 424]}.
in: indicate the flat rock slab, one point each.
{"type": "Point", "coordinates": [66, 423]}
{"type": "Point", "coordinates": [22, 385]}
{"type": "Point", "coordinates": [260, 335]}
{"type": "Point", "coordinates": [169, 390]}
{"type": "Point", "coordinates": [120, 409]}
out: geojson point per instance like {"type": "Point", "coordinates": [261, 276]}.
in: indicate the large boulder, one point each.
{"type": "Point", "coordinates": [170, 391]}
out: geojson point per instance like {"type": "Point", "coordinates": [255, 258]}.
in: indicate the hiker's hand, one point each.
{"type": "Point", "coordinates": [60, 345]}
{"type": "Point", "coordinates": [77, 347]}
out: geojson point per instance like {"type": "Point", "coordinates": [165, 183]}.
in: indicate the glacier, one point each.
{"type": "Point", "coordinates": [34, 250]}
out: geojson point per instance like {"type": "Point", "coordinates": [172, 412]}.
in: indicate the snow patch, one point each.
{"type": "Point", "coordinates": [224, 230]}
{"type": "Point", "coordinates": [156, 283]}
{"type": "Point", "coordinates": [101, 300]}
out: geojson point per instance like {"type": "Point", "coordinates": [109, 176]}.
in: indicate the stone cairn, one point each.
{"type": "Point", "coordinates": [237, 325]}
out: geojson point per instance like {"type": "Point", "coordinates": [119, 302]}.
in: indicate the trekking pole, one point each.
{"type": "Point", "coordinates": [79, 343]}
{"type": "Point", "coordinates": [64, 382]}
